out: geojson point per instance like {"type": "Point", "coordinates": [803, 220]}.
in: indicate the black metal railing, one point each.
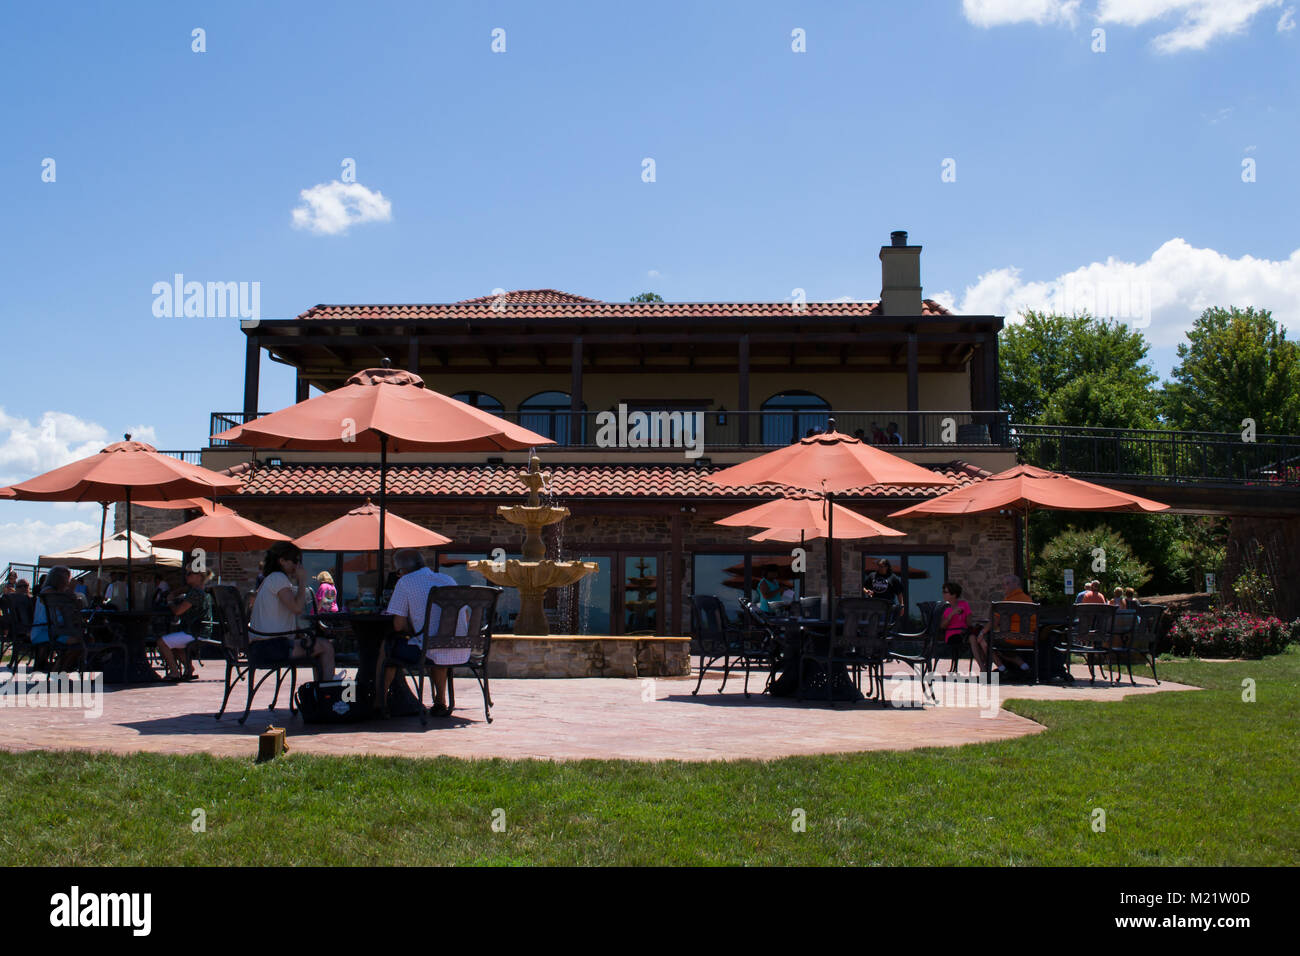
{"type": "Point", "coordinates": [722, 428]}
{"type": "Point", "coordinates": [192, 456]}
{"type": "Point", "coordinates": [220, 421]}
{"type": "Point", "coordinates": [1155, 455]}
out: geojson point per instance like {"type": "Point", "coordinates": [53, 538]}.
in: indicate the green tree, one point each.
{"type": "Point", "coordinates": [647, 297]}
{"type": "Point", "coordinates": [1076, 370]}
{"type": "Point", "coordinates": [1236, 364]}
{"type": "Point", "coordinates": [1078, 549]}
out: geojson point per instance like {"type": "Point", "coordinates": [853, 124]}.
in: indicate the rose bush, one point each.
{"type": "Point", "coordinates": [1230, 634]}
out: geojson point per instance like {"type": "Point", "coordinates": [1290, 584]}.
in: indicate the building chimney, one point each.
{"type": "Point", "coordinates": [900, 276]}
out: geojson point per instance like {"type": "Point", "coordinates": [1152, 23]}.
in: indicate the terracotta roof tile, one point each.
{"type": "Point", "coordinates": [531, 296]}
{"type": "Point", "coordinates": [567, 481]}
{"type": "Point", "coordinates": [534, 303]}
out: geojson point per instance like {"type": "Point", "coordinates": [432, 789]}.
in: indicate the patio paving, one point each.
{"type": "Point", "coordinates": [547, 719]}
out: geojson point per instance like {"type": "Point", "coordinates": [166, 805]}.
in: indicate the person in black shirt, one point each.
{"type": "Point", "coordinates": [883, 584]}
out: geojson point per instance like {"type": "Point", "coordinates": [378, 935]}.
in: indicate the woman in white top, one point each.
{"type": "Point", "coordinates": [280, 600]}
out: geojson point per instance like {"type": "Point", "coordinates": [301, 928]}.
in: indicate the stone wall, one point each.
{"type": "Point", "coordinates": [582, 656]}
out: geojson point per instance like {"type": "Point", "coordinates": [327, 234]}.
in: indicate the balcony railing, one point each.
{"type": "Point", "coordinates": [192, 456]}
{"type": "Point", "coordinates": [220, 421]}
{"type": "Point", "coordinates": [671, 428]}
{"type": "Point", "coordinates": [1169, 456]}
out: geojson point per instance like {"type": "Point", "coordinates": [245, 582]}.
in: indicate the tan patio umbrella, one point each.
{"type": "Point", "coordinates": [221, 529]}
{"type": "Point", "coordinates": [118, 472]}
{"type": "Point", "coordinates": [113, 552]}
{"type": "Point", "coordinates": [1022, 489]}
{"type": "Point", "coordinates": [383, 409]}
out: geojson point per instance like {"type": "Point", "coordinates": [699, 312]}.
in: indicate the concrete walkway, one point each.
{"type": "Point", "coordinates": [554, 720]}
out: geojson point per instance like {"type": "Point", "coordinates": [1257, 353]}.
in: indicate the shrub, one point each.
{"type": "Point", "coordinates": [1231, 634]}
{"type": "Point", "coordinates": [1100, 547]}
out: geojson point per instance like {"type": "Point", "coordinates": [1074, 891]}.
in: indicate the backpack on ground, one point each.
{"type": "Point", "coordinates": [333, 702]}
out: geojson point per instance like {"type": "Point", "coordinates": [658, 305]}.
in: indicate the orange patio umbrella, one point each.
{"type": "Point", "coordinates": [357, 530]}
{"type": "Point", "coordinates": [119, 471]}
{"type": "Point", "coordinates": [1025, 487]}
{"type": "Point", "coordinates": [383, 409]}
{"type": "Point", "coordinates": [828, 463]}
{"type": "Point", "coordinates": [221, 529]}
{"type": "Point", "coordinates": [805, 517]}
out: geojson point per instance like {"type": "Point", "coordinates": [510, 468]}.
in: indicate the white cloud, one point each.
{"type": "Point", "coordinates": [1169, 290]}
{"type": "Point", "coordinates": [330, 209]}
{"type": "Point", "coordinates": [992, 13]}
{"type": "Point", "coordinates": [1201, 20]}
{"type": "Point", "coordinates": [653, 273]}
{"type": "Point", "coordinates": [24, 541]}
{"type": "Point", "coordinates": [28, 449]}
{"type": "Point", "coordinates": [144, 433]}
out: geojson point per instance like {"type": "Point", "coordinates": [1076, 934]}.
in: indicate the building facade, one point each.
{"type": "Point", "coordinates": [644, 400]}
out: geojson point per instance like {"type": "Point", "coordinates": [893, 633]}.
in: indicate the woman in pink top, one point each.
{"type": "Point", "coordinates": [957, 616]}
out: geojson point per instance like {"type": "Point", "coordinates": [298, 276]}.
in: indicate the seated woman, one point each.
{"type": "Point", "coordinates": [190, 621]}
{"type": "Point", "coordinates": [1131, 599]}
{"type": "Point", "coordinates": [276, 635]}
{"type": "Point", "coordinates": [956, 617]}
{"type": "Point", "coordinates": [1117, 597]}
{"type": "Point", "coordinates": [769, 588]}
{"type": "Point", "coordinates": [52, 655]}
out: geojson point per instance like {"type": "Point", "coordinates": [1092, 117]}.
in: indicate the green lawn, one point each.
{"type": "Point", "coordinates": [1184, 778]}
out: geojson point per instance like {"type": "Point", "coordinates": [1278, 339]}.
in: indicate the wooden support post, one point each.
{"type": "Point", "coordinates": [742, 398]}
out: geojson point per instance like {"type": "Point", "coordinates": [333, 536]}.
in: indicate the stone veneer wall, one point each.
{"type": "Point", "coordinates": [980, 548]}
{"type": "Point", "coordinates": [581, 656]}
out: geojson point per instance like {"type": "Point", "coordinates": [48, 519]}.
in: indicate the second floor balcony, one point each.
{"type": "Point", "coordinates": [636, 428]}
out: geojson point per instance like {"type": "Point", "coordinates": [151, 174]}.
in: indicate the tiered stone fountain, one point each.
{"type": "Point", "coordinates": [534, 575]}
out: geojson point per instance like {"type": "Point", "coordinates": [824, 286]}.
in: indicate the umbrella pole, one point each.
{"type": "Point", "coordinates": [130, 585]}
{"type": "Point", "coordinates": [803, 575]}
{"type": "Point", "coordinates": [383, 482]}
{"type": "Point", "coordinates": [1024, 543]}
{"type": "Point", "coordinates": [99, 572]}
{"type": "Point", "coordinates": [830, 589]}
{"type": "Point", "coordinates": [219, 543]}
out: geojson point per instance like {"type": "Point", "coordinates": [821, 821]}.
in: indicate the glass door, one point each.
{"type": "Point", "coordinates": [640, 594]}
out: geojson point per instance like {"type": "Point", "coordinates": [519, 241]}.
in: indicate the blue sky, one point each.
{"type": "Point", "coordinates": [774, 170]}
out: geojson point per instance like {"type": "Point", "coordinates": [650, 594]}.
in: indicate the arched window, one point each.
{"type": "Point", "coordinates": [481, 400]}
{"type": "Point", "coordinates": [792, 415]}
{"type": "Point", "coordinates": [547, 413]}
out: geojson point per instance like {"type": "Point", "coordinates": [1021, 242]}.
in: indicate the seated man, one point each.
{"type": "Point", "coordinates": [980, 642]}
{"type": "Point", "coordinates": [190, 621]}
{"type": "Point", "coordinates": [410, 598]}
{"type": "Point", "coordinates": [1091, 594]}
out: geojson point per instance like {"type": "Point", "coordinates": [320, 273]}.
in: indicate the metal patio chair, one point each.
{"type": "Point", "coordinates": [1141, 642]}
{"type": "Point", "coordinates": [481, 602]}
{"type": "Point", "coordinates": [1088, 636]}
{"type": "Point", "coordinates": [718, 639]}
{"type": "Point", "coordinates": [235, 640]}
{"type": "Point", "coordinates": [1011, 622]}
